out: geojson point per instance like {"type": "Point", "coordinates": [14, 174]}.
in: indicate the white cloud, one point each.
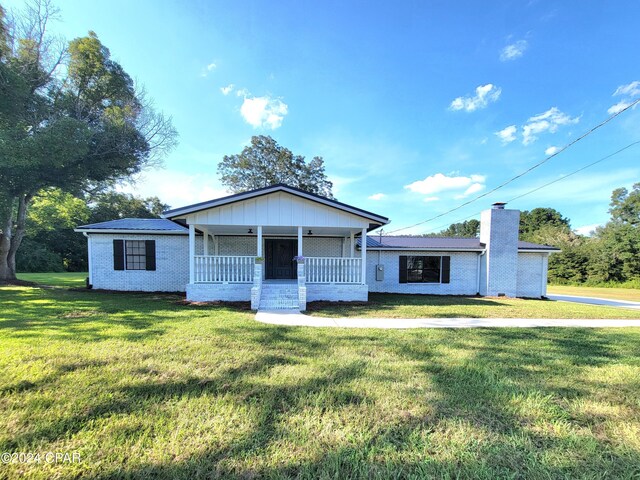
{"type": "Point", "coordinates": [586, 229]}
{"type": "Point", "coordinates": [176, 187]}
{"type": "Point", "coordinates": [507, 135]}
{"type": "Point", "coordinates": [631, 89]}
{"type": "Point", "coordinates": [548, 121]}
{"type": "Point", "coordinates": [513, 51]}
{"type": "Point", "coordinates": [473, 188]}
{"type": "Point", "coordinates": [440, 182]}
{"type": "Point", "coordinates": [618, 107]}
{"type": "Point", "coordinates": [243, 92]}
{"type": "Point", "coordinates": [431, 199]}
{"type": "Point", "coordinates": [551, 150]}
{"type": "Point", "coordinates": [228, 89]}
{"type": "Point", "coordinates": [376, 196]}
{"type": "Point", "coordinates": [208, 69]}
{"type": "Point", "coordinates": [263, 111]}
{"type": "Point", "coordinates": [485, 94]}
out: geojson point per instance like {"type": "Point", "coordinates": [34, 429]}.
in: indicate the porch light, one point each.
{"type": "Point", "coordinates": [250, 230]}
{"type": "Point", "coordinates": [309, 233]}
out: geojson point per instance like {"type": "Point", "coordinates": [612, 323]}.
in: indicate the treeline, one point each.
{"type": "Point", "coordinates": [51, 245]}
{"type": "Point", "coordinates": [610, 255]}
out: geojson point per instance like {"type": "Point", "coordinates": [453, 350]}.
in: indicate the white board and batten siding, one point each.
{"type": "Point", "coordinates": [278, 209]}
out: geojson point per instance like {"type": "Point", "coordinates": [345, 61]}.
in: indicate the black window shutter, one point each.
{"type": "Point", "coordinates": [118, 254]}
{"type": "Point", "coordinates": [402, 274]}
{"type": "Point", "coordinates": [446, 269]}
{"type": "Point", "coordinates": [150, 251]}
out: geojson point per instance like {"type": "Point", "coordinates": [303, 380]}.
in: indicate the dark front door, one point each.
{"type": "Point", "coordinates": [279, 259]}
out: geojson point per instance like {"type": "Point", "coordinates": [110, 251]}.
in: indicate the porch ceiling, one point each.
{"type": "Point", "coordinates": [276, 230]}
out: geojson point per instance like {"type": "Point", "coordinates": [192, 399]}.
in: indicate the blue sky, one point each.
{"type": "Point", "coordinates": [416, 107]}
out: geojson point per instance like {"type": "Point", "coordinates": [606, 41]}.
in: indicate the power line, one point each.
{"type": "Point", "coordinates": [520, 175]}
{"type": "Point", "coordinates": [556, 180]}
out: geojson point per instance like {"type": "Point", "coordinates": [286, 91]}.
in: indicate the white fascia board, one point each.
{"type": "Point", "coordinates": [133, 232]}
{"type": "Point", "coordinates": [537, 250]}
{"type": "Point", "coordinates": [423, 249]}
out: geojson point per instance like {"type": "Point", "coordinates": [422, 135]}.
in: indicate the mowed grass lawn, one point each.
{"type": "Point", "coordinates": [144, 386]}
{"type": "Point", "coordinates": [629, 294]}
{"type": "Point", "coordinates": [385, 305]}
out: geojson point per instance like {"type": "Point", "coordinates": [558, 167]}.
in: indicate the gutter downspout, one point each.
{"type": "Point", "coordinates": [90, 285]}
{"type": "Point", "coordinates": [478, 271]}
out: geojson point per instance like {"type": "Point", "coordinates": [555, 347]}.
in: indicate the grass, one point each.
{"type": "Point", "coordinates": [384, 305]}
{"type": "Point", "coordinates": [144, 386]}
{"type": "Point", "coordinates": [631, 294]}
{"type": "Point", "coordinates": [62, 279]}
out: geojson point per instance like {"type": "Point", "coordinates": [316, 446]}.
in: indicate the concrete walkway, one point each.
{"type": "Point", "coordinates": [596, 301]}
{"type": "Point", "coordinates": [295, 318]}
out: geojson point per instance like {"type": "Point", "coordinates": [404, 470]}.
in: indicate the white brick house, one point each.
{"type": "Point", "coordinates": [280, 247]}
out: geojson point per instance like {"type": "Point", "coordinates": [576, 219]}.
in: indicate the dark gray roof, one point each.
{"type": "Point", "coordinates": [437, 243]}
{"type": "Point", "coordinates": [151, 224]}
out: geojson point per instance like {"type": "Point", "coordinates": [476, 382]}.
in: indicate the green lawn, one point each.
{"type": "Point", "coordinates": [62, 279]}
{"type": "Point", "coordinates": [383, 305]}
{"type": "Point", "coordinates": [143, 386]}
{"type": "Point", "coordinates": [631, 294]}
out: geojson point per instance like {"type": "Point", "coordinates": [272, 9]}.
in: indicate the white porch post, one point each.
{"type": "Point", "coordinates": [205, 234]}
{"type": "Point", "coordinates": [259, 249]}
{"type": "Point", "coordinates": [363, 243]}
{"type": "Point", "coordinates": [299, 241]}
{"type": "Point", "coordinates": [192, 253]}
{"type": "Point", "coordinates": [351, 246]}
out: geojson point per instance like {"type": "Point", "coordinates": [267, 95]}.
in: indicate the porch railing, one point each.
{"type": "Point", "coordinates": [333, 269]}
{"type": "Point", "coordinates": [220, 269]}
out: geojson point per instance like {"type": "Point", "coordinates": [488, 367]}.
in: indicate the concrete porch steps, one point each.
{"type": "Point", "coordinates": [279, 296]}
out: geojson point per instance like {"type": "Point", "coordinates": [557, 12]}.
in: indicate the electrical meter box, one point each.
{"type": "Point", "coordinates": [379, 273]}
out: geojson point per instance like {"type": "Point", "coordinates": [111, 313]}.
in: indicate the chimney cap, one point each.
{"type": "Point", "coordinates": [498, 205]}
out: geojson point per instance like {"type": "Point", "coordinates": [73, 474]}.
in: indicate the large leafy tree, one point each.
{"type": "Point", "coordinates": [468, 229]}
{"type": "Point", "coordinates": [538, 218]}
{"type": "Point", "coordinates": [50, 243]}
{"type": "Point", "coordinates": [264, 163]}
{"type": "Point", "coordinates": [625, 205]}
{"type": "Point", "coordinates": [616, 246]}
{"type": "Point", "coordinates": [111, 205]}
{"type": "Point", "coordinates": [70, 117]}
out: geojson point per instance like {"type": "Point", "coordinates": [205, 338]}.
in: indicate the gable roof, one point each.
{"type": "Point", "coordinates": [135, 225]}
{"type": "Point", "coordinates": [280, 187]}
{"type": "Point", "coordinates": [392, 242]}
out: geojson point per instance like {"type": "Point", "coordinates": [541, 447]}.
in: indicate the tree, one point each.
{"type": "Point", "coordinates": [616, 246]}
{"type": "Point", "coordinates": [625, 205]}
{"type": "Point", "coordinates": [265, 163]}
{"type": "Point", "coordinates": [50, 244]}
{"type": "Point", "coordinates": [81, 131]}
{"type": "Point", "coordinates": [111, 205]}
{"type": "Point", "coordinates": [468, 228]}
{"type": "Point", "coordinates": [534, 220]}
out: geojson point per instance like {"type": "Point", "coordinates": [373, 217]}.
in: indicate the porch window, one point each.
{"type": "Point", "coordinates": [424, 269]}
{"type": "Point", "coordinates": [134, 254]}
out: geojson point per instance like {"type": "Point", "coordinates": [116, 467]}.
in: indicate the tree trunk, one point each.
{"type": "Point", "coordinates": [18, 234]}
{"type": "Point", "coordinates": [6, 223]}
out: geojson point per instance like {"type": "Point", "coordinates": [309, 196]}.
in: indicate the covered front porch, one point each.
{"type": "Point", "coordinates": [239, 242]}
{"type": "Point", "coordinates": [230, 262]}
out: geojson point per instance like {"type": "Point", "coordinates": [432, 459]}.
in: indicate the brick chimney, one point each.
{"type": "Point", "coordinates": [499, 265]}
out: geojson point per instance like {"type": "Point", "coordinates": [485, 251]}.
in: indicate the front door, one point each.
{"type": "Point", "coordinates": [279, 261]}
